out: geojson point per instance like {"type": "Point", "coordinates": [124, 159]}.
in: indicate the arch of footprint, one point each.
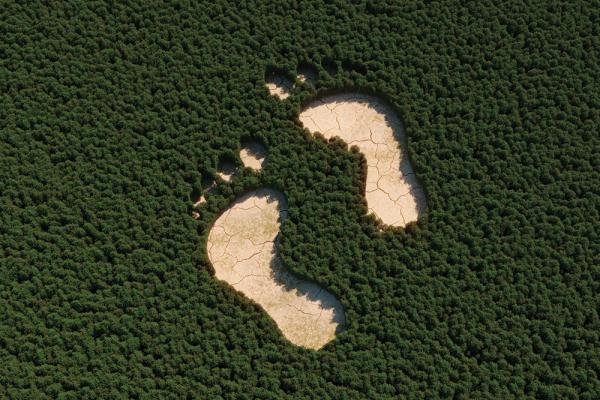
{"type": "Point", "coordinates": [242, 244]}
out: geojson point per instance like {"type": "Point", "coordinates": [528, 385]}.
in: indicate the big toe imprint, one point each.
{"type": "Point", "coordinates": [392, 191]}
{"type": "Point", "coordinates": [242, 247]}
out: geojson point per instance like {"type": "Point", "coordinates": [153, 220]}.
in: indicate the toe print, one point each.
{"type": "Point", "coordinates": [279, 86]}
{"type": "Point", "coordinates": [253, 154]}
{"type": "Point", "coordinates": [308, 74]}
{"type": "Point", "coordinates": [226, 169]}
{"type": "Point", "coordinates": [242, 247]}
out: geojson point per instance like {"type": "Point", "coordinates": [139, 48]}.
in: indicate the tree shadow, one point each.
{"type": "Point", "coordinates": [305, 287]}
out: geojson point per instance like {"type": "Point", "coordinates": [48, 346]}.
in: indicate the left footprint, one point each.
{"type": "Point", "coordinates": [242, 247]}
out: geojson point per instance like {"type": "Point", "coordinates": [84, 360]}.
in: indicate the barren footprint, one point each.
{"type": "Point", "coordinates": [242, 247]}
{"type": "Point", "coordinates": [253, 154]}
{"type": "Point", "coordinates": [392, 191]}
{"type": "Point", "coordinates": [226, 169]}
{"type": "Point", "coordinates": [279, 86]}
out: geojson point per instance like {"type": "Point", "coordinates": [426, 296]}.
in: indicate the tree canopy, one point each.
{"type": "Point", "coordinates": [113, 116]}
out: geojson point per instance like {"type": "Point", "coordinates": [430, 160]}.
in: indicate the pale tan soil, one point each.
{"type": "Point", "coordinates": [200, 201]}
{"type": "Point", "coordinates": [253, 155]}
{"type": "Point", "coordinates": [208, 189]}
{"type": "Point", "coordinates": [306, 75]}
{"type": "Point", "coordinates": [225, 176]}
{"type": "Point", "coordinates": [392, 191]}
{"type": "Point", "coordinates": [280, 87]}
{"type": "Point", "coordinates": [226, 170]}
{"type": "Point", "coordinates": [242, 249]}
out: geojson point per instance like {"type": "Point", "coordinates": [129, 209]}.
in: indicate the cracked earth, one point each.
{"type": "Point", "coordinates": [242, 244]}
{"type": "Point", "coordinates": [253, 155]}
{"type": "Point", "coordinates": [279, 86]}
{"type": "Point", "coordinates": [242, 247]}
{"type": "Point", "coordinates": [392, 191]}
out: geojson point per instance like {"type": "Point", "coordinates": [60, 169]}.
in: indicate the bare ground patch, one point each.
{"type": "Point", "coordinates": [279, 86]}
{"type": "Point", "coordinates": [392, 191]}
{"type": "Point", "coordinates": [226, 169]}
{"type": "Point", "coordinates": [253, 154]}
{"type": "Point", "coordinates": [308, 74]}
{"type": "Point", "coordinates": [242, 249]}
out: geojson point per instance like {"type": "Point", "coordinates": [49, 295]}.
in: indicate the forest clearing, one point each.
{"type": "Point", "coordinates": [242, 247]}
{"type": "Point", "coordinates": [253, 155]}
{"type": "Point", "coordinates": [393, 192]}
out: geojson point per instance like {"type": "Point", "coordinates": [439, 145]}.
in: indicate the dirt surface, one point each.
{"type": "Point", "coordinates": [201, 200]}
{"type": "Point", "coordinates": [279, 86]}
{"type": "Point", "coordinates": [242, 249]}
{"type": "Point", "coordinates": [253, 155]}
{"type": "Point", "coordinates": [225, 170]}
{"type": "Point", "coordinates": [392, 191]}
{"type": "Point", "coordinates": [307, 75]}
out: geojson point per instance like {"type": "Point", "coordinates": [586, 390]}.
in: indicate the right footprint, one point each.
{"type": "Point", "coordinates": [392, 191]}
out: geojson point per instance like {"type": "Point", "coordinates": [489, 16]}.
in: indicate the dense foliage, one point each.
{"type": "Point", "coordinates": [112, 116]}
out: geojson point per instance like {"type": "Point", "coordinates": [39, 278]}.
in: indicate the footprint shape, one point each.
{"type": "Point", "coordinates": [392, 191]}
{"type": "Point", "coordinates": [242, 248]}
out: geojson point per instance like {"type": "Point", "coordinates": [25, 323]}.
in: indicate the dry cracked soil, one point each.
{"type": "Point", "coordinates": [242, 247]}
{"type": "Point", "coordinates": [392, 191]}
{"type": "Point", "coordinates": [242, 243]}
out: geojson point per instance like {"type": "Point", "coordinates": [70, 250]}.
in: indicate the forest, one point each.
{"type": "Point", "coordinates": [115, 115]}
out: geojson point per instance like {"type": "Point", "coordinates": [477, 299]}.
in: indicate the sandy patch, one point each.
{"type": "Point", "coordinates": [308, 75]}
{"type": "Point", "coordinates": [242, 249]}
{"type": "Point", "coordinates": [279, 86]}
{"type": "Point", "coordinates": [392, 191]}
{"type": "Point", "coordinates": [201, 200]}
{"type": "Point", "coordinates": [208, 187]}
{"type": "Point", "coordinates": [253, 155]}
{"type": "Point", "coordinates": [226, 169]}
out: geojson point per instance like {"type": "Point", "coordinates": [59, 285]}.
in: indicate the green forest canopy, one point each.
{"type": "Point", "coordinates": [113, 116]}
